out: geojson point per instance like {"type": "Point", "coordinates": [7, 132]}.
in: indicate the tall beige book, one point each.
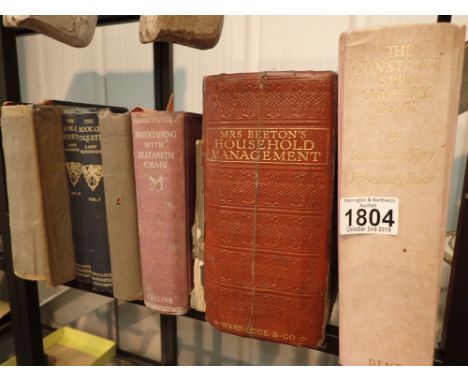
{"type": "Point", "coordinates": [39, 211]}
{"type": "Point", "coordinates": [121, 213]}
{"type": "Point", "coordinates": [398, 99]}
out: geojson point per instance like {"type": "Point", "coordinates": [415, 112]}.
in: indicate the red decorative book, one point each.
{"type": "Point", "coordinates": [269, 140]}
{"type": "Point", "coordinates": [164, 159]}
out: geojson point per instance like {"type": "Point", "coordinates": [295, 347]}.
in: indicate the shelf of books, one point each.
{"type": "Point", "coordinates": [249, 215]}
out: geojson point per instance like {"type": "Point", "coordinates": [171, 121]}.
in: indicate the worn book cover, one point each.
{"type": "Point", "coordinates": [82, 146]}
{"type": "Point", "coordinates": [399, 89]}
{"type": "Point", "coordinates": [197, 296]}
{"type": "Point", "coordinates": [39, 210]}
{"type": "Point", "coordinates": [269, 144]}
{"type": "Point", "coordinates": [164, 159]}
{"type": "Point", "coordinates": [120, 199]}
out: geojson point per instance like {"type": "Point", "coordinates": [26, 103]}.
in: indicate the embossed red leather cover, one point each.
{"type": "Point", "coordinates": [269, 140]}
{"type": "Point", "coordinates": [164, 159]}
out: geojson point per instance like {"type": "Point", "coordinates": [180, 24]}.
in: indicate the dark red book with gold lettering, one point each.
{"type": "Point", "coordinates": [164, 160]}
{"type": "Point", "coordinates": [269, 160]}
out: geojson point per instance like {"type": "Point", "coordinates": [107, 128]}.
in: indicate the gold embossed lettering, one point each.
{"type": "Point", "coordinates": [299, 145]}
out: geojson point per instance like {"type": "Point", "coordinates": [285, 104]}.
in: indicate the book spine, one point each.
{"type": "Point", "coordinates": [76, 188]}
{"type": "Point", "coordinates": [399, 89]}
{"type": "Point", "coordinates": [268, 141]}
{"type": "Point", "coordinates": [37, 191]}
{"type": "Point", "coordinates": [119, 184]}
{"type": "Point", "coordinates": [162, 158]}
{"type": "Point", "coordinates": [197, 296]}
{"type": "Point", "coordinates": [194, 130]}
{"type": "Point", "coordinates": [53, 174]}
{"type": "Point", "coordinates": [25, 194]}
{"type": "Point", "coordinates": [96, 238]}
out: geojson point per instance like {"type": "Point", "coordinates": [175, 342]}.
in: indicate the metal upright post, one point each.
{"type": "Point", "coordinates": [444, 18]}
{"type": "Point", "coordinates": [163, 88]}
{"type": "Point", "coordinates": [455, 334]}
{"type": "Point", "coordinates": [163, 74]}
{"type": "Point", "coordinates": [23, 296]}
